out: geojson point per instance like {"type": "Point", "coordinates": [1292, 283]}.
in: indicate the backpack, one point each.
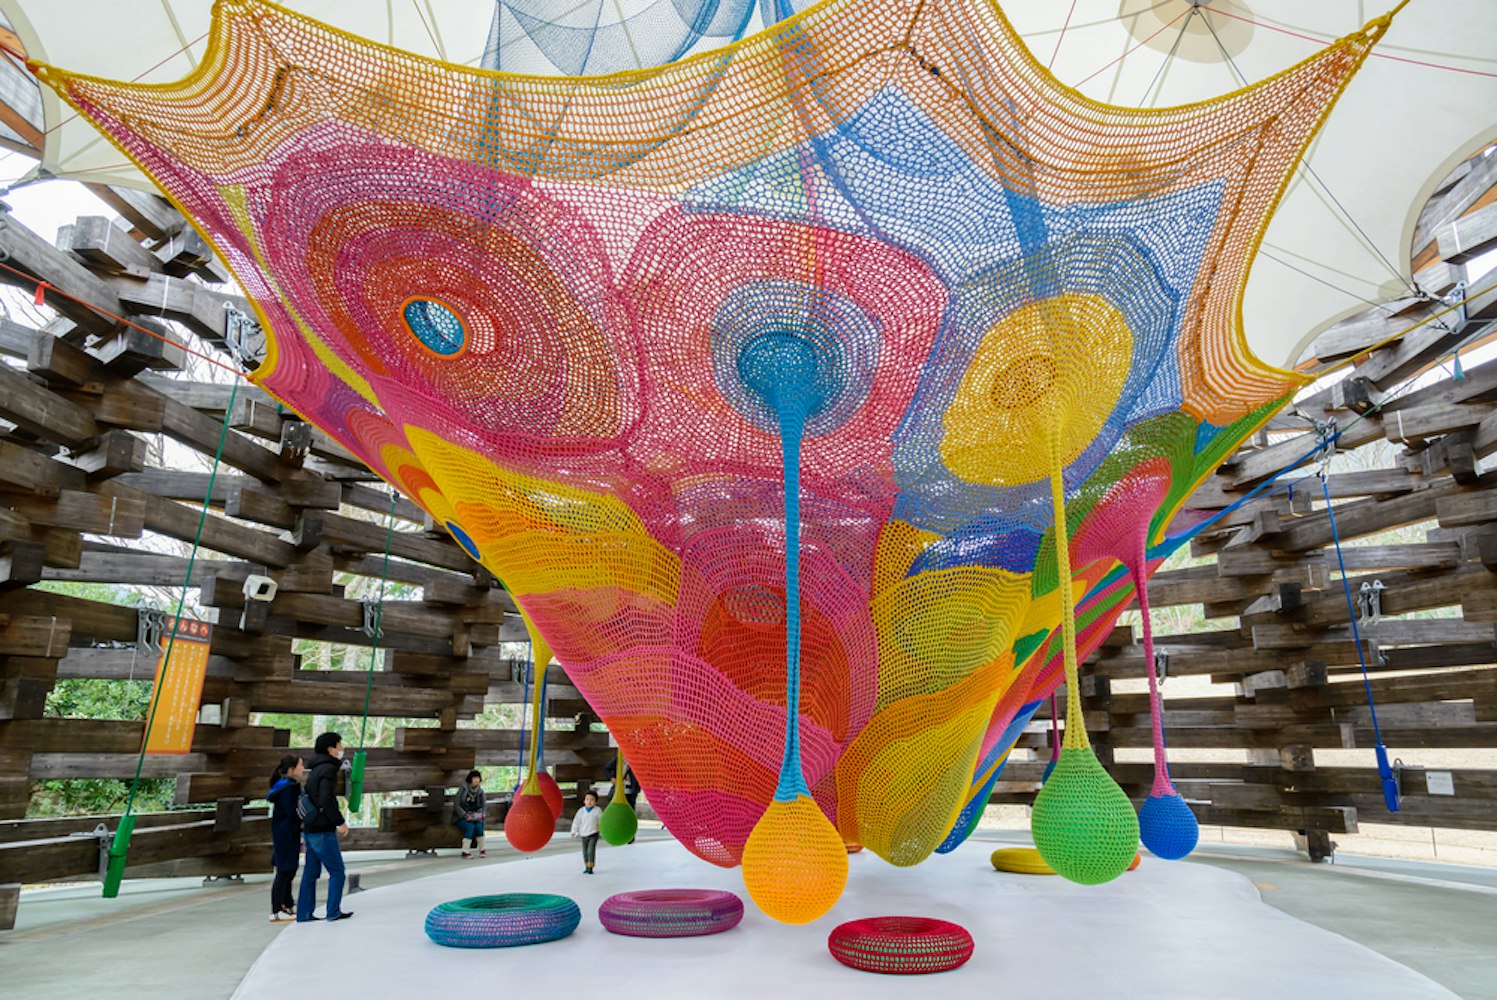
{"type": "Point", "coordinates": [306, 809]}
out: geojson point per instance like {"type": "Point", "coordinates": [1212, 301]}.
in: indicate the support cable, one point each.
{"type": "Point", "coordinates": [1304, 164]}
{"type": "Point", "coordinates": [120, 846]}
{"type": "Point", "coordinates": [1384, 769]}
{"type": "Point", "coordinates": [356, 771]}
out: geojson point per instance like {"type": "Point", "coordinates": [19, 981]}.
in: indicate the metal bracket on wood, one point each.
{"type": "Point", "coordinates": [105, 837]}
{"type": "Point", "coordinates": [1162, 665]}
{"type": "Point", "coordinates": [241, 331]}
{"type": "Point", "coordinates": [1369, 613]}
{"type": "Point", "coordinates": [1325, 433]}
{"type": "Point", "coordinates": [1370, 602]}
{"type": "Point", "coordinates": [1457, 297]}
{"type": "Point", "coordinates": [150, 628]}
{"type": "Point", "coordinates": [371, 626]}
{"type": "Point", "coordinates": [296, 439]}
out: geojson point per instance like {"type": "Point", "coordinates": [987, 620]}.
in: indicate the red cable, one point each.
{"type": "Point", "coordinates": [42, 287]}
{"type": "Point", "coordinates": [1327, 41]}
{"type": "Point", "coordinates": [1063, 28]}
{"type": "Point", "coordinates": [1140, 45]}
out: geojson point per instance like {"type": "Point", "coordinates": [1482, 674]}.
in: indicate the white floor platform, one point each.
{"type": "Point", "coordinates": [1166, 930]}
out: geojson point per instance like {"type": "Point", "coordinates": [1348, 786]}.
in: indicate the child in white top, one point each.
{"type": "Point", "coordinates": [585, 825]}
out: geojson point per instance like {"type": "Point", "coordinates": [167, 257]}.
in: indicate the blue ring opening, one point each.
{"type": "Point", "coordinates": [437, 327]}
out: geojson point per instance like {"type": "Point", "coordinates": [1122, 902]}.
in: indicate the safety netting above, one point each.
{"type": "Point", "coordinates": [870, 287]}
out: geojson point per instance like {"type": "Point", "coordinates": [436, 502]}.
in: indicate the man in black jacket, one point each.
{"type": "Point", "coordinates": [321, 832]}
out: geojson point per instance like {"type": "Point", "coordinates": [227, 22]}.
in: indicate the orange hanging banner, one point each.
{"type": "Point", "coordinates": [178, 690]}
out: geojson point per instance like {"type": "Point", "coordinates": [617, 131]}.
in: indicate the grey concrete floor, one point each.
{"type": "Point", "coordinates": [165, 939]}
{"type": "Point", "coordinates": [178, 939]}
{"type": "Point", "coordinates": [1440, 920]}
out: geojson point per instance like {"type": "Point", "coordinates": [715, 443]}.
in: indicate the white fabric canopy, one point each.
{"type": "Point", "coordinates": [1425, 101]}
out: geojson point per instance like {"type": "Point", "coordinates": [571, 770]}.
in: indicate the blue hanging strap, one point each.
{"type": "Point", "coordinates": [1173, 542]}
{"type": "Point", "coordinates": [1384, 769]}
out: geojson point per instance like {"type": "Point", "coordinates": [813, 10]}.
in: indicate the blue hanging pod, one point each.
{"type": "Point", "coordinates": [1391, 795]}
{"type": "Point", "coordinates": [1391, 792]}
{"type": "Point", "coordinates": [1167, 827]}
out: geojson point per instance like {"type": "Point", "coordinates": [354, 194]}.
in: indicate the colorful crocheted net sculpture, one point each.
{"type": "Point", "coordinates": [579, 321]}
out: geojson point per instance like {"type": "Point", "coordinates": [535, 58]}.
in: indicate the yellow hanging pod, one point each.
{"type": "Point", "coordinates": [795, 863]}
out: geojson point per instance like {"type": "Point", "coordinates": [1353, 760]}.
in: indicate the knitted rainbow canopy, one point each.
{"type": "Point", "coordinates": [583, 321]}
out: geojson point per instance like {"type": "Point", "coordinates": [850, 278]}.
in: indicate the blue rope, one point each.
{"type": "Point", "coordinates": [1384, 769]}
{"type": "Point", "coordinates": [1173, 542]}
{"type": "Point", "coordinates": [1170, 545]}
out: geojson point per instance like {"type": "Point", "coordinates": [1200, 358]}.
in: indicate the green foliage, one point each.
{"type": "Point", "coordinates": [105, 593]}
{"type": "Point", "coordinates": [97, 796]}
{"type": "Point", "coordinates": [80, 698]}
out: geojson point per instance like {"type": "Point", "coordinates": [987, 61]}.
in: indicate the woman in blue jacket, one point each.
{"type": "Point", "coordinates": [285, 833]}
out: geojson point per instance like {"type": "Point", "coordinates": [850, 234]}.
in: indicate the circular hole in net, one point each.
{"type": "Point", "coordinates": [435, 325]}
{"type": "Point", "coordinates": [666, 896]}
{"type": "Point", "coordinates": [499, 904]}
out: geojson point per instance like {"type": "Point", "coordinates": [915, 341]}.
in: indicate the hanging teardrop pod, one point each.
{"type": "Point", "coordinates": [1083, 825]}
{"type": "Point", "coordinates": [794, 862]}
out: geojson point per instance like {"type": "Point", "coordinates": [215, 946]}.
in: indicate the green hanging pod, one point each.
{"type": "Point", "coordinates": [356, 781]}
{"type": "Point", "coordinates": [1083, 825]}
{"type": "Point", "coordinates": [118, 849]}
{"type": "Point", "coordinates": [619, 823]}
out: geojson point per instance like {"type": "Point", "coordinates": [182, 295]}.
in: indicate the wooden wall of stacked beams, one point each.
{"type": "Point", "coordinates": [79, 400]}
{"type": "Point", "coordinates": [79, 395]}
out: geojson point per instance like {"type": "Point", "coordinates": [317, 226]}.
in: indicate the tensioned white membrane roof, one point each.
{"type": "Point", "coordinates": [1424, 102]}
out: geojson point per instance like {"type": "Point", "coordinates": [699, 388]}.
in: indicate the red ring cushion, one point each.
{"type": "Point", "coordinates": [901, 945]}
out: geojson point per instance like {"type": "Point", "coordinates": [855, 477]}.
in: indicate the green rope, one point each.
{"type": "Point", "coordinates": [197, 539]}
{"type": "Point", "coordinates": [118, 849]}
{"type": "Point", "coordinates": [356, 773]}
{"type": "Point", "coordinates": [379, 610]}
